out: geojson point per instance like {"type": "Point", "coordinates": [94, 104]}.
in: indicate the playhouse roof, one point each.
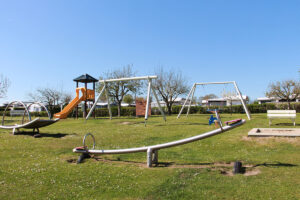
{"type": "Point", "coordinates": [85, 78]}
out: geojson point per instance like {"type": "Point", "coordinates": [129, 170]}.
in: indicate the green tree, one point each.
{"type": "Point", "coordinates": [128, 99]}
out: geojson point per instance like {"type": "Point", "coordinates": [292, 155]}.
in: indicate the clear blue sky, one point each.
{"type": "Point", "coordinates": [48, 43]}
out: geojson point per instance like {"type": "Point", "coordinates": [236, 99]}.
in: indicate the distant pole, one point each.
{"type": "Point", "coordinates": [84, 113]}
{"type": "Point", "coordinates": [94, 99]}
{"type": "Point", "coordinates": [77, 105]}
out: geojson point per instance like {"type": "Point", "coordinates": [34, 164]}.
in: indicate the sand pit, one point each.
{"type": "Point", "coordinates": [274, 132]}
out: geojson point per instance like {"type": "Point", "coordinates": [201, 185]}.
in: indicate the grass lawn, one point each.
{"type": "Point", "coordinates": [44, 168]}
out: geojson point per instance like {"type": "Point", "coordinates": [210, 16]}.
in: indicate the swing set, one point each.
{"type": "Point", "coordinates": [150, 87]}
{"type": "Point", "coordinates": [190, 96]}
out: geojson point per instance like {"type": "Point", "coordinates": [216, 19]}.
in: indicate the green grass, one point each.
{"type": "Point", "coordinates": [38, 168]}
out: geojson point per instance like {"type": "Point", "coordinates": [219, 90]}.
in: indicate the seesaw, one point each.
{"type": "Point", "coordinates": [152, 151]}
{"type": "Point", "coordinates": [32, 124]}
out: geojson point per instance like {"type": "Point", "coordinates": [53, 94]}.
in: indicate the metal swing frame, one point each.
{"type": "Point", "coordinates": [192, 91]}
{"type": "Point", "coordinates": [150, 87]}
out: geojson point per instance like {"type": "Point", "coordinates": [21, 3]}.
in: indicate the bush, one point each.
{"type": "Point", "coordinates": [103, 112]}
{"type": "Point", "coordinates": [130, 111]}
{"type": "Point", "coordinates": [253, 108]}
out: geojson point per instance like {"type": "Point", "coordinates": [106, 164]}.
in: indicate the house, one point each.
{"type": "Point", "coordinates": [274, 100]}
{"type": "Point", "coordinates": [103, 104]}
{"type": "Point", "coordinates": [177, 101]}
{"type": "Point", "coordinates": [32, 108]}
{"type": "Point", "coordinates": [234, 100]}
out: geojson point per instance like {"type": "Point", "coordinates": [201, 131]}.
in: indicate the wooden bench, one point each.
{"type": "Point", "coordinates": [281, 114]}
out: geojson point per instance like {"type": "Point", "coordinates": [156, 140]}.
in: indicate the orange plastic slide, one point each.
{"type": "Point", "coordinates": [66, 111]}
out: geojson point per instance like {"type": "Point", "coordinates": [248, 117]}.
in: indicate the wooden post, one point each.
{"type": "Point", "coordinates": [77, 105]}
{"type": "Point", "coordinates": [84, 113]}
{"type": "Point", "coordinates": [237, 168]}
{"type": "Point", "coordinates": [94, 99]}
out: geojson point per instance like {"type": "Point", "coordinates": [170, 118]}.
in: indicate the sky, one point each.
{"type": "Point", "coordinates": [49, 43]}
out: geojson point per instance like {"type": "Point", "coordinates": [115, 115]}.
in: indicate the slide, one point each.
{"type": "Point", "coordinates": [66, 111]}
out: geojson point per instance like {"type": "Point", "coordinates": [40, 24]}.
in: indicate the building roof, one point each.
{"type": "Point", "coordinates": [233, 98]}
{"type": "Point", "coordinates": [85, 78]}
{"type": "Point", "coordinates": [265, 99]}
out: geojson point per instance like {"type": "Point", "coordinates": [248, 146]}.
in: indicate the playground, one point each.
{"type": "Point", "coordinates": [46, 166]}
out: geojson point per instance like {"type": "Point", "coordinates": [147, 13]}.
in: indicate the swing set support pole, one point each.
{"type": "Point", "coordinates": [189, 108]}
{"type": "Point", "coordinates": [186, 101]}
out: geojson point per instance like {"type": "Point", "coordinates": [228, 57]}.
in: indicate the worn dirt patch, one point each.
{"type": "Point", "coordinates": [271, 140]}
{"type": "Point", "coordinates": [224, 168]}
{"type": "Point", "coordinates": [126, 123]}
{"type": "Point", "coordinates": [249, 171]}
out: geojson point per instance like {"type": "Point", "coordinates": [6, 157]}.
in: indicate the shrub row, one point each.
{"type": "Point", "coordinates": [103, 112]}
{"type": "Point", "coordinates": [32, 114]}
{"type": "Point", "coordinates": [130, 111]}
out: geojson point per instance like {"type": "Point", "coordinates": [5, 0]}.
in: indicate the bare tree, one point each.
{"type": "Point", "coordinates": [170, 85]}
{"type": "Point", "coordinates": [4, 85]}
{"type": "Point", "coordinates": [66, 98]}
{"type": "Point", "coordinates": [288, 90]}
{"type": "Point", "coordinates": [117, 90]}
{"type": "Point", "coordinates": [51, 97]}
{"type": "Point", "coordinates": [209, 96]}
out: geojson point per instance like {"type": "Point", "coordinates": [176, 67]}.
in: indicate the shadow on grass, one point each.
{"type": "Point", "coordinates": [192, 165]}
{"type": "Point", "coordinates": [159, 164]}
{"type": "Point", "coordinates": [286, 124]}
{"type": "Point", "coordinates": [183, 124]}
{"type": "Point", "coordinates": [277, 164]}
{"type": "Point", "coordinates": [53, 135]}
{"type": "Point", "coordinates": [211, 165]}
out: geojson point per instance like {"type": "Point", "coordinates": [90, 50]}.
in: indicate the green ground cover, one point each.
{"type": "Point", "coordinates": [44, 168]}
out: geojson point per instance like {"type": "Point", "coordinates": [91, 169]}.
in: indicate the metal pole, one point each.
{"type": "Point", "coordinates": [188, 111]}
{"type": "Point", "coordinates": [164, 145]}
{"type": "Point", "coordinates": [77, 105]}
{"type": "Point", "coordinates": [128, 79]}
{"type": "Point", "coordinates": [159, 106]}
{"type": "Point", "coordinates": [185, 102]}
{"type": "Point", "coordinates": [108, 102]}
{"type": "Point", "coordinates": [93, 107]}
{"type": "Point", "coordinates": [242, 100]}
{"type": "Point", "coordinates": [148, 99]}
{"type": "Point", "coordinates": [85, 100]}
{"type": "Point", "coordinates": [149, 157]}
{"type": "Point", "coordinates": [209, 83]}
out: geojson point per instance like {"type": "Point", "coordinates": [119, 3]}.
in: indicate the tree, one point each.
{"type": "Point", "coordinates": [288, 90]}
{"type": "Point", "coordinates": [4, 85]}
{"type": "Point", "coordinates": [170, 85]}
{"type": "Point", "coordinates": [128, 99]}
{"type": "Point", "coordinates": [209, 96]}
{"type": "Point", "coordinates": [51, 97]}
{"type": "Point", "coordinates": [66, 98]}
{"type": "Point", "coordinates": [117, 90]}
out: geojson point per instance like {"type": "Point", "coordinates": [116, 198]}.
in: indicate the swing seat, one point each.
{"type": "Point", "coordinates": [233, 121]}
{"type": "Point", "coordinates": [212, 120]}
{"type": "Point", "coordinates": [212, 110]}
{"type": "Point", "coordinates": [81, 148]}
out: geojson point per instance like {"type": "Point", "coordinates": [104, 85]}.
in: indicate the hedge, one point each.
{"type": "Point", "coordinates": [130, 111]}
